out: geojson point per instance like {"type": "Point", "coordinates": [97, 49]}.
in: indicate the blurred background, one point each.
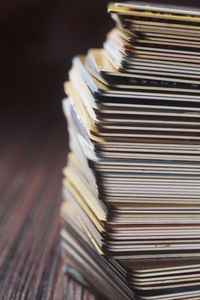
{"type": "Point", "coordinates": [38, 40]}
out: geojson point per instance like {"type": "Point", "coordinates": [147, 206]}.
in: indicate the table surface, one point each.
{"type": "Point", "coordinates": [31, 266]}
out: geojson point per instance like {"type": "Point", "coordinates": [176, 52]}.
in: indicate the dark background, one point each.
{"type": "Point", "coordinates": [38, 40]}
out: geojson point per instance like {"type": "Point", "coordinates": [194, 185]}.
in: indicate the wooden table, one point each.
{"type": "Point", "coordinates": [31, 160]}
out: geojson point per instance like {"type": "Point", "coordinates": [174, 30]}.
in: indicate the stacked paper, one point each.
{"type": "Point", "coordinates": [131, 209]}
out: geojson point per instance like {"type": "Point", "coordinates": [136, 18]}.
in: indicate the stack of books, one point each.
{"type": "Point", "coordinates": [131, 209]}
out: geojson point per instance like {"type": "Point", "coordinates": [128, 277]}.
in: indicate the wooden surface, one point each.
{"type": "Point", "coordinates": [31, 161]}
{"type": "Point", "coordinates": [33, 150]}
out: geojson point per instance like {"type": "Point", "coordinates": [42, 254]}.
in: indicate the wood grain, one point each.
{"type": "Point", "coordinates": [31, 160]}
